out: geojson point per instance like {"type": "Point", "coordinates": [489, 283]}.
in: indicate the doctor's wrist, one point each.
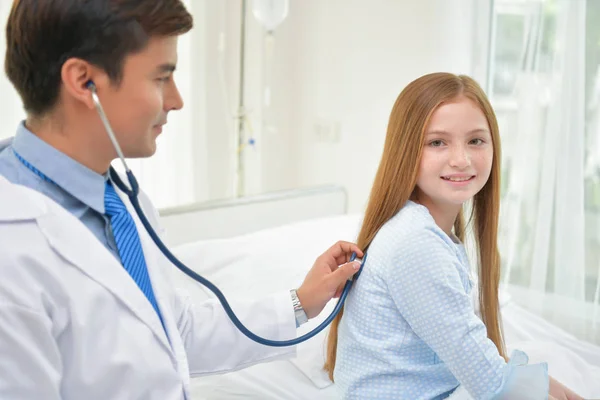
{"type": "Point", "coordinates": [299, 312]}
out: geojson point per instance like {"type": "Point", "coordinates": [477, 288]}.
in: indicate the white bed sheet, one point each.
{"type": "Point", "coordinates": [278, 259]}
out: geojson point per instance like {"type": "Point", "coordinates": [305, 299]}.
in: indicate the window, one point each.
{"type": "Point", "coordinates": [545, 88]}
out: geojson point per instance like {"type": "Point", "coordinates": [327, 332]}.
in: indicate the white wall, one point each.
{"type": "Point", "coordinates": [344, 62]}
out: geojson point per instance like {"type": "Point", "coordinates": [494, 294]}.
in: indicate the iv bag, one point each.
{"type": "Point", "coordinates": [270, 13]}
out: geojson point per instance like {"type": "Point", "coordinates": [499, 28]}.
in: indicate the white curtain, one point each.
{"type": "Point", "coordinates": [543, 127]}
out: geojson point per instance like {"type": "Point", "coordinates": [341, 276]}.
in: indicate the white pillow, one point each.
{"type": "Point", "coordinates": [262, 262]}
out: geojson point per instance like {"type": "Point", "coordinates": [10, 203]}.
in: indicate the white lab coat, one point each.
{"type": "Point", "coordinates": [74, 325]}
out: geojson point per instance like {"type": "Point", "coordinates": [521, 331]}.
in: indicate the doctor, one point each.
{"type": "Point", "coordinates": [86, 307]}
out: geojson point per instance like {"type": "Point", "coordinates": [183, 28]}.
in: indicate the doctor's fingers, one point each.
{"type": "Point", "coordinates": [342, 275]}
{"type": "Point", "coordinates": [340, 253]}
{"type": "Point", "coordinates": [337, 279]}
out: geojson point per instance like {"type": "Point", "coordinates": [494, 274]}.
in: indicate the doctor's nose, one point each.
{"type": "Point", "coordinates": [172, 99]}
{"type": "Point", "coordinates": [459, 157]}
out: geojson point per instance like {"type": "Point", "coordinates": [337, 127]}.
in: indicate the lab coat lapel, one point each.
{"type": "Point", "coordinates": [100, 265]}
{"type": "Point", "coordinates": [156, 261]}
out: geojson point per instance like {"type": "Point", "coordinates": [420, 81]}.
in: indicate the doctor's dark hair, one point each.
{"type": "Point", "coordinates": [42, 35]}
{"type": "Point", "coordinates": [396, 183]}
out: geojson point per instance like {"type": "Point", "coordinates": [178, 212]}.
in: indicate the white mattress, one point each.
{"type": "Point", "coordinates": [278, 259]}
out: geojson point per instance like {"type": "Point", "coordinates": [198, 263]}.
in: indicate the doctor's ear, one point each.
{"type": "Point", "coordinates": [77, 84]}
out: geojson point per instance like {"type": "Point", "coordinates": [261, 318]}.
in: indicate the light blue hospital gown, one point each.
{"type": "Point", "coordinates": [410, 331]}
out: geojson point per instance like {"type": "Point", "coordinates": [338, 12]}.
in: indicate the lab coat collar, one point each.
{"type": "Point", "coordinates": [18, 203]}
{"type": "Point", "coordinates": [80, 182]}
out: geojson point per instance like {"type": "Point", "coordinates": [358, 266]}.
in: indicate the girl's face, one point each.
{"type": "Point", "coordinates": [457, 155]}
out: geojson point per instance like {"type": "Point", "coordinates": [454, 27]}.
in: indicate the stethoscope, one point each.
{"type": "Point", "coordinates": [133, 192]}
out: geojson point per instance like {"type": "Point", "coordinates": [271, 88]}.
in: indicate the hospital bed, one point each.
{"type": "Point", "coordinates": [267, 243]}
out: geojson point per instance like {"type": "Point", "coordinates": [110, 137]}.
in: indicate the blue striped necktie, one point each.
{"type": "Point", "coordinates": [128, 243]}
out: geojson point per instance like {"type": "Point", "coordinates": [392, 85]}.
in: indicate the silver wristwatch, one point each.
{"type": "Point", "coordinates": [299, 312]}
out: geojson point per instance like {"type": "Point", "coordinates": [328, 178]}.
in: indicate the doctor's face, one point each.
{"type": "Point", "coordinates": [137, 109]}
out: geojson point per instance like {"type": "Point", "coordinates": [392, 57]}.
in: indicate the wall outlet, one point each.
{"type": "Point", "coordinates": [327, 131]}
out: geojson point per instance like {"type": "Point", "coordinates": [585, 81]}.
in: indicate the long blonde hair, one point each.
{"type": "Point", "coordinates": [396, 180]}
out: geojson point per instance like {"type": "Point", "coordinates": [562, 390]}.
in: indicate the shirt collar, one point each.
{"type": "Point", "coordinates": [73, 177]}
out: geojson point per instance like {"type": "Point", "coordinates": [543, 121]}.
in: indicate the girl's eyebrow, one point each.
{"type": "Point", "coordinates": [442, 132]}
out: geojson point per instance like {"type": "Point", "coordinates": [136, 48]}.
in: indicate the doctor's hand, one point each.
{"type": "Point", "coordinates": [327, 277]}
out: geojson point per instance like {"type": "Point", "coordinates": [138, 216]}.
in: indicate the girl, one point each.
{"type": "Point", "coordinates": [410, 330]}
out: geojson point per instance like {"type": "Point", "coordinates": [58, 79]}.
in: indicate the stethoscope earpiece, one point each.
{"type": "Point", "coordinates": [90, 85]}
